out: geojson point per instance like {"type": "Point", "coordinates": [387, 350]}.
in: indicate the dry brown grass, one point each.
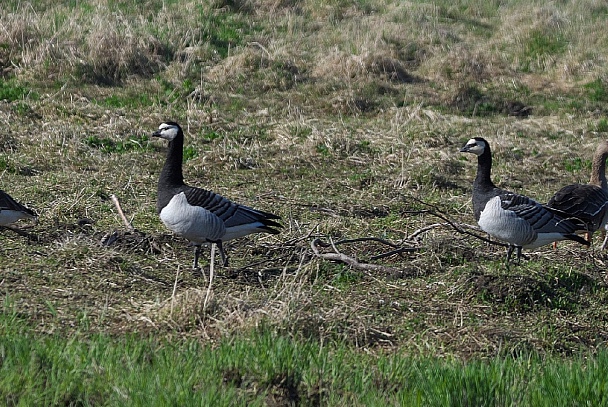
{"type": "Point", "coordinates": [338, 118]}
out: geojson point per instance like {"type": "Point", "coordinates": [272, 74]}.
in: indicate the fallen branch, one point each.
{"type": "Point", "coordinates": [456, 226]}
{"type": "Point", "coordinates": [396, 251]}
{"type": "Point", "coordinates": [351, 261]}
{"type": "Point", "coordinates": [397, 248]}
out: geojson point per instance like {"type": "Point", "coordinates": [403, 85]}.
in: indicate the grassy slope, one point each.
{"type": "Point", "coordinates": [346, 120]}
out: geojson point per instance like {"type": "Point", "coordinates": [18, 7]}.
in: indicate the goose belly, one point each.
{"type": "Point", "coordinates": [505, 225]}
{"type": "Point", "coordinates": [192, 222]}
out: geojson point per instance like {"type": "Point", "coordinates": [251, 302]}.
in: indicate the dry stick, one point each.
{"type": "Point", "coordinates": [366, 239]}
{"type": "Point", "coordinates": [174, 290]}
{"type": "Point", "coordinates": [257, 263]}
{"type": "Point", "coordinates": [397, 250]}
{"type": "Point", "coordinates": [291, 242]}
{"type": "Point", "coordinates": [420, 231]}
{"type": "Point", "coordinates": [337, 256]}
{"type": "Point", "coordinates": [120, 212]}
{"type": "Point", "coordinates": [441, 215]}
{"type": "Point", "coordinates": [208, 293]}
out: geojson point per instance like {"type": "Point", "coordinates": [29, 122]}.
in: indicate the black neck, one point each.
{"type": "Point", "coordinates": [484, 167]}
{"type": "Point", "coordinates": [171, 174]}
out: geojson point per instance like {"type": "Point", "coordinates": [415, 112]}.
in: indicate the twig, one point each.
{"type": "Point", "coordinates": [396, 251]}
{"type": "Point", "coordinates": [120, 212]}
{"type": "Point", "coordinates": [456, 226]}
{"type": "Point", "coordinates": [367, 239]}
{"type": "Point", "coordinates": [420, 231]}
{"type": "Point", "coordinates": [211, 267]}
{"type": "Point", "coordinates": [174, 289]}
{"type": "Point", "coordinates": [257, 263]}
{"type": "Point", "coordinates": [337, 256]}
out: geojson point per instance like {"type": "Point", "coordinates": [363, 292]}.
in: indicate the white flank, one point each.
{"type": "Point", "coordinates": [505, 225]}
{"type": "Point", "coordinates": [192, 222]}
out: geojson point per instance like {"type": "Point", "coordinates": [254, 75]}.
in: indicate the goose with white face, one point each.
{"type": "Point", "coordinates": [168, 131]}
{"type": "Point", "coordinates": [474, 146]}
{"type": "Point", "coordinates": [197, 214]}
{"type": "Point", "coordinates": [515, 219]}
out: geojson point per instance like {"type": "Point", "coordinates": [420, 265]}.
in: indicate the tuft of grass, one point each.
{"type": "Point", "coordinates": [540, 43]}
{"type": "Point", "coordinates": [110, 146]}
{"type": "Point", "coordinates": [596, 91]}
{"type": "Point", "coordinates": [211, 135]}
{"type": "Point", "coordinates": [224, 31]}
{"type": "Point", "coordinates": [577, 164]}
{"type": "Point", "coordinates": [541, 47]}
{"type": "Point", "coordinates": [602, 126]}
{"type": "Point", "coordinates": [11, 90]}
{"type": "Point", "coordinates": [190, 153]}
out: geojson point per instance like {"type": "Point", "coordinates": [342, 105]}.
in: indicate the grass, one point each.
{"type": "Point", "coordinates": [597, 91]}
{"type": "Point", "coordinates": [263, 368]}
{"type": "Point", "coordinates": [345, 119]}
{"type": "Point", "coordinates": [11, 91]}
{"type": "Point", "coordinates": [109, 146]}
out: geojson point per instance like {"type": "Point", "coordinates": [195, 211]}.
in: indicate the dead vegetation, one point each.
{"type": "Point", "coordinates": [346, 120]}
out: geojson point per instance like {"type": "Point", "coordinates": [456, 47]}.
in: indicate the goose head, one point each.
{"type": "Point", "coordinates": [168, 131]}
{"type": "Point", "coordinates": [476, 145]}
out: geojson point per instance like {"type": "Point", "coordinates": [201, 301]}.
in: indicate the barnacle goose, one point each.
{"type": "Point", "coordinates": [515, 219]}
{"type": "Point", "coordinates": [11, 211]}
{"type": "Point", "coordinates": [199, 215]}
{"type": "Point", "coordinates": [587, 202]}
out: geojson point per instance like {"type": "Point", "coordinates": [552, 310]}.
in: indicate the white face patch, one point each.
{"type": "Point", "coordinates": [167, 131]}
{"type": "Point", "coordinates": [476, 147]}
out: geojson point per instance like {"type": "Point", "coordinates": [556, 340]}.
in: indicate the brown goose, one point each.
{"type": "Point", "coordinates": [587, 202]}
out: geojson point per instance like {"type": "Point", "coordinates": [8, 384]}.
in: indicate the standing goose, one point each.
{"type": "Point", "coordinates": [516, 219]}
{"type": "Point", "coordinates": [587, 202]}
{"type": "Point", "coordinates": [199, 215]}
{"type": "Point", "coordinates": [11, 211]}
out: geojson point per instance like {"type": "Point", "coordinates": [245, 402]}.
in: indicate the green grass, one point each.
{"type": "Point", "coordinates": [11, 90]}
{"type": "Point", "coordinates": [577, 164]}
{"type": "Point", "coordinates": [224, 31]}
{"type": "Point", "coordinates": [597, 91]}
{"type": "Point", "coordinates": [261, 366]}
{"type": "Point", "coordinates": [602, 126]}
{"type": "Point", "coordinates": [110, 146]}
{"type": "Point", "coordinates": [344, 118]}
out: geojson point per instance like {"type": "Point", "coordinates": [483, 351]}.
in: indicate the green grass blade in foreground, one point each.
{"type": "Point", "coordinates": [259, 367]}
